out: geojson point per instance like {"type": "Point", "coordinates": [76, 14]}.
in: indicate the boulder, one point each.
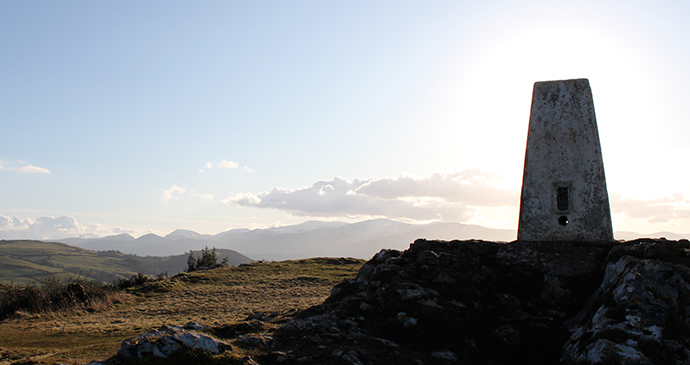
{"type": "Point", "coordinates": [166, 340]}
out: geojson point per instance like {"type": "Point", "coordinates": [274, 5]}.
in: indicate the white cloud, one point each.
{"type": "Point", "coordinates": [14, 223]}
{"type": "Point", "coordinates": [41, 228]}
{"type": "Point", "coordinates": [224, 164]}
{"type": "Point", "coordinates": [120, 230]}
{"type": "Point", "coordinates": [168, 193]}
{"type": "Point", "coordinates": [248, 199]}
{"type": "Point", "coordinates": [453, 197]}
{"type": "Point", "coordinates": [176, 192]}
{"type": "Point", "coordinates": [32, 170]}
{"type": "Point", "coordinates": [228, 164]}
{"type": "Point", "coordinates": [48, 227]}
{"type": "Point", "coordinates": [470, 187]}
{"type": "Point", "coordinates": [22, 168]}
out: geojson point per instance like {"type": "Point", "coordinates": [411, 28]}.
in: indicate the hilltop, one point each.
{"type": "Point", "coordinates": [438, 302]}
{"type": "Point", "coordinates": [478, 302]}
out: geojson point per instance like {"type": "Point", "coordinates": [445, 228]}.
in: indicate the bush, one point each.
{"type": "Point", "coordinates": [134, 280]}
{"type": "Point", "coordinates": [208, 259]}
{"type": "Point", "coordinates": [53, 294]}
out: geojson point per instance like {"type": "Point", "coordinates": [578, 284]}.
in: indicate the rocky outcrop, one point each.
{"type": "Point", "coordinates": [167, 340]}
{"type": "Point", "coordinates": [640, 314]}
{"type": "Point", "coordinates": [475, 302]}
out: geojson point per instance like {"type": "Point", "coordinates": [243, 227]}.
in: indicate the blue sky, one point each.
{"type": "Point", "coordinates": [151, 116]}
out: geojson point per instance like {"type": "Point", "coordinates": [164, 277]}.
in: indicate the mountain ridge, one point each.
{"type": "Point", "coordinates": [311, 239]}
{"type": "Point", "coordinates": [307, 239]}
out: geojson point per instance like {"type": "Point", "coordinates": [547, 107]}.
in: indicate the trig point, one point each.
{"type": "Point", "coordinates": [564, 196]}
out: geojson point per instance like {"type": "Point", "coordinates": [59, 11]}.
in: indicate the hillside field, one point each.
{"type": "Point", "coordinates": [211, 297]}
{"type": "Point", "coordinates": [26, 261]}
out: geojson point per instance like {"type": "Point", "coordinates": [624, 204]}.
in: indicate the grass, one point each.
{"type": "Point", "coordinates": [211, 297]}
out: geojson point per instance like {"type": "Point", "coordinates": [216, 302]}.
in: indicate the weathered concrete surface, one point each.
{"type": "Point", "coordinates": [564, 195]}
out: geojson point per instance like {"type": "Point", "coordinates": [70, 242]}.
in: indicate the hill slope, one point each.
{"type": "Point", "coordinates": [24, 261]}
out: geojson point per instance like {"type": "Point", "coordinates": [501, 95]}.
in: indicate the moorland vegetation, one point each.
{"type": "Point", "coordinates": [80, 331]}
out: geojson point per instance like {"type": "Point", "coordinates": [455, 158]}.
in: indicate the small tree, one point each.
{"type": "Point", "coordinates": [191, 262]}
{"type": "Point", "coordinates": [208, 259]}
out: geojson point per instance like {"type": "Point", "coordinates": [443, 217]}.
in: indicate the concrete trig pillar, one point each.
{"type": "Point", "coordinates": [564, 196]}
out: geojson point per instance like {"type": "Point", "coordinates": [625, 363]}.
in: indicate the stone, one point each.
{"type": "Point", "coordinates": [564, 195]}
{"type": "Point", "coordinates": [196, 326]}
{"type": "Point", "coordinates": [256, 339]}
{"type": "Point", "coordinates": [166, 340]}
{"type": "Point", "coordinates": [641, 305]}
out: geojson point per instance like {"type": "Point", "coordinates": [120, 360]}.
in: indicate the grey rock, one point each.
{"type": "Point", "coordinates": [256, 339]}
{"type": "Point", "coordinates": [168, 339]}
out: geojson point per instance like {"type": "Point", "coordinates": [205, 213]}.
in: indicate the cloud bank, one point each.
{"type": "Point", "coordinates": [660, 210]}
{"type": "Point", "coordinates": [450, 197]}
{"type": "Point", "coordinates": [46, 228]}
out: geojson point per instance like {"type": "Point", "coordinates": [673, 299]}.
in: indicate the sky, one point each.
{"type": "Point", "coordinates": [138, 117]}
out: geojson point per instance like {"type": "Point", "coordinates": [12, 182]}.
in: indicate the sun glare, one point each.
{"type": "Point", "coordinates": [494, 98]}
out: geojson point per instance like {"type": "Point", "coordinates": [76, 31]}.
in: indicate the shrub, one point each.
{"type": "Point", "coordinates": [134, 280]}
{"type": "Point", "coordinates": [54, 294]}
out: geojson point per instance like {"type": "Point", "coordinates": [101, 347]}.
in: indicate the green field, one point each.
{"type": "Point", "coordinates": [28, 261]}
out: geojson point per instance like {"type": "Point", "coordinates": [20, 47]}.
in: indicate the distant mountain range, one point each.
{"type": "Point", "coordinates": [308, 239]}
{"type": "Point", "coordinates": [626, 235]}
